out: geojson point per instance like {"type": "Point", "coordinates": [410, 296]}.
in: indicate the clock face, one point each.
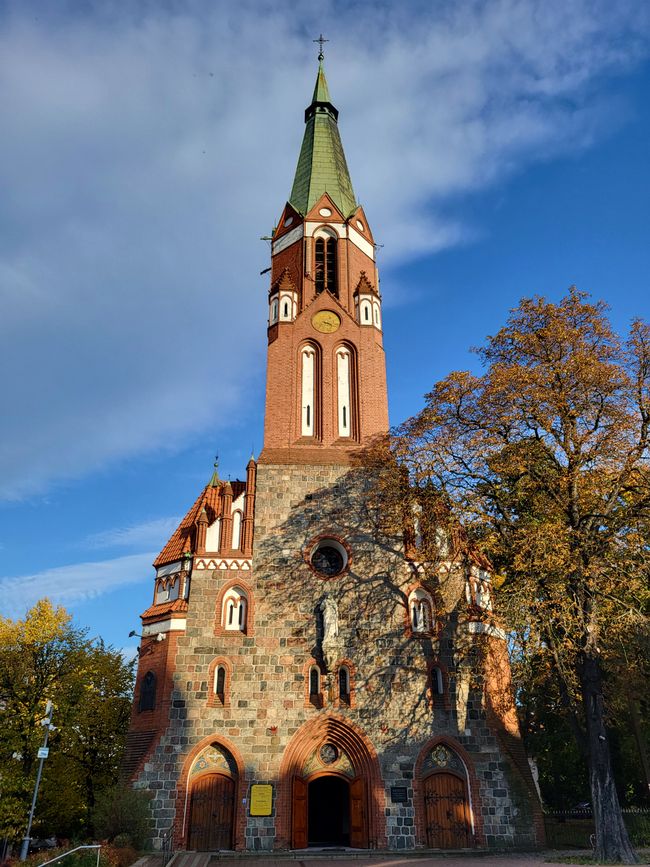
{"type": "Point", "coordinates": [326, 321]}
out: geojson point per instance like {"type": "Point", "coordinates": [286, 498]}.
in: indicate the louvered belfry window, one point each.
{"type": "Point", "coordinates": [326, 270]}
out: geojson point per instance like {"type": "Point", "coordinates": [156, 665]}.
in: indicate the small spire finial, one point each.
{"type": "Point", "coordinates": [214, 479]}
{"type": "Point", "coordinates": [321, 41]}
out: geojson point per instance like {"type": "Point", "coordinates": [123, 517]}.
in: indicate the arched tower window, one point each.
{"type": "Point", "coordinates": [344, 684]}
{"type": "Point", "coordinates": [326, 269]}
{"type": "Point", "coordinates": [308, 402]}
{"type": "Point", "coordinates": [343, 381]}
{"type": "Point", "coordinates": [236, 530]}
{"type": "Point", "coordinates": [148, 692]}
{"type": "Point", "coordinates": [437, 681]}
{"type": "Point", "coordinates": [235, 610]}
{"type": "Point", "coordinates": [220, 683]}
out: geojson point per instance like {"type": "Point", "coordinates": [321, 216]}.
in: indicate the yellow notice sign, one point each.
{"type": "Point", "coordinates": [261, 799]}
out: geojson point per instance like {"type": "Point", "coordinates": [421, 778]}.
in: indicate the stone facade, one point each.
{"type": "Point", "coordinates": [393, 714]}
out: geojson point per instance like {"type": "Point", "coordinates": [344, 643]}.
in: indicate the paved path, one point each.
{"type": "Point", "coordinates": [532, 859]}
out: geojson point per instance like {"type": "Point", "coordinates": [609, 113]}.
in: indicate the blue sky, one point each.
{"type": "Point", "coordinates": [499, 149]}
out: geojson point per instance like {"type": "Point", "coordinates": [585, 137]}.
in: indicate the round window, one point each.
{"type": "Point", "coordinates": [329, 558]}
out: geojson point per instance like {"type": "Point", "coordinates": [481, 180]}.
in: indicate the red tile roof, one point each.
{"type": "Point", "coordinates": [182, 539]}
{"type": "Point", "coordinates": [175, 607]}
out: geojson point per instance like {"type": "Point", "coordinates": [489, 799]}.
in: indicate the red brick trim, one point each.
{"type": "Point", "coordinates": [182, 807]}
{"type": "Point", "coordinates": [213, 698]}
{"type": "Point", "coordinates": [219, 628]}
{"type": "Point", "coordinates": [361, 752]}
{"type": "Point", "coordinates": [473, 790]}
{"type": "Point", "coordinates": [159, 657]}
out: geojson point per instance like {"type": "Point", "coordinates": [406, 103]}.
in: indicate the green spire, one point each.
{"type": "Point", "coordinates": [321, 90]}
{"type": "Point", "coordinates": [321, 165]}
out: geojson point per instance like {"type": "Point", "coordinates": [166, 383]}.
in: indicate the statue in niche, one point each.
{"type": "Point", "coordinates": [329, 617]}
{"type": "Point", "coordinates": [329, 622]}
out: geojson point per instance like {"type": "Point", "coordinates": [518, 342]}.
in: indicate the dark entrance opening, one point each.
{"type": "Point", "coordinates": [329, 812]}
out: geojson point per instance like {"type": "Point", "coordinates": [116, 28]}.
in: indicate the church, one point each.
{"type": "Point", "coordinates": [304, 680]}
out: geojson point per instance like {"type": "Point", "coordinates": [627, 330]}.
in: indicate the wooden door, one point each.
{"type": "Point", "coordinates": [211, 813]}
{"type": "Point", "coordinates": [299, 814]}
{"type": "Point", "coordinates": [358, 827]}
{"type": "Point", "coordinates": [447, 812]}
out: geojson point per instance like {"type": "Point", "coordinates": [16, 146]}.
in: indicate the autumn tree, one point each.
{"type": "Point", "coordinates": [544, 459]}
{"type": "Point", "coordinates": [43, 656]}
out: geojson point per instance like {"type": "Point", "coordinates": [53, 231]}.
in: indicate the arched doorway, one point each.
{"type": "Point", "coordinates": [211, 799]}
{"type": "Point", "coordinates": [328, 771]}
{"type": "Point", "coordinates": [443, 805]}
{"type": "Point", "coordinates": [211, 813]}
{"type": "Point", "coordinates": [328, 811]}
{"type": "Point", "coordinates": [447, 816]}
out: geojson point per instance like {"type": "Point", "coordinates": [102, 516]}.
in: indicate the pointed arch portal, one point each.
{"type": "Point", "coordinates": [329, 774]}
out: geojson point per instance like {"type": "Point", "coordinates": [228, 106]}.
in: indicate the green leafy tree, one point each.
{"type": "Point", "coordinates": [545, 460]}
{"type": "Point", "coordinates": [43, 656]}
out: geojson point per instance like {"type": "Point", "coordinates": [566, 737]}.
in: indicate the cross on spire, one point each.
{"type": "Point", "coordinates": [321, 41]}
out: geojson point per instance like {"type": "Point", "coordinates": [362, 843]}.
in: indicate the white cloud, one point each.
{"type": "Point", "coordinates": [146, 149]}
{"type": "Point", "coordinates": [78, 582]}
{"type": "Point", "coordinates": [148, 534]}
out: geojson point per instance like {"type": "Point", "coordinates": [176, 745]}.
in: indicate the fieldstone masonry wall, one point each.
{"type": "Point", "coordinates": [393, 707]}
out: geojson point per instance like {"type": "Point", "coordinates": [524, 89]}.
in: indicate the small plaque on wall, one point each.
{"type": "Point", "coordinates": [261, 799]}
{"type": "Point", "coordinates": [399, 794]}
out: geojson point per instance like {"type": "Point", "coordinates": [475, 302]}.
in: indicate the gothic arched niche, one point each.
{"type": "Point", "coordinates": [214, 758]}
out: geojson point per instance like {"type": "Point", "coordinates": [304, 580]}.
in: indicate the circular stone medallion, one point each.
{"type": "Point", "coordinates": [328, 754]}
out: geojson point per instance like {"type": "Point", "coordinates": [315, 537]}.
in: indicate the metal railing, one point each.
{"type": "Point", "coordinates": [69, 852]}
{"type": "Point", "coordinates": [167, 847]}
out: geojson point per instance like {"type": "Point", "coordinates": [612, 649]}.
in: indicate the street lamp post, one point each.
{"type": "Point", "coordinates": [42, 755]}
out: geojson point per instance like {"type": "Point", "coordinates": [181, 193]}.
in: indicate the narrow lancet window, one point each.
{"type": "Point", "coordinates": [343, 387]}
{"type": "Point", "coordinates": [236, 530]}
{"type": "Point", "coordinates": [220, 682]}
{"type": "Point", "coordinates": [326, 265]}
{"type": "Point", "coordinates": [320, 264]}
{"type": "Point", "coordinates": [344, 684]}
{"type": "Point", "coordinates": [148, 692]}
{"type": "Point", "coordinates": [308, 391]}
{"type": "Point", "coordinates": [330, 263]}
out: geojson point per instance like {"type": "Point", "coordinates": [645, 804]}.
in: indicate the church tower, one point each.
{"type": "Point", "coordinates": [305, 676]}
{"type": "Point", "coordinates": [326, 375]}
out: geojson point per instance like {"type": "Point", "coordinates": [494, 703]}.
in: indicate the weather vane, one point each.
{"type": "Point", "coordinates": [321, 42]}
{"type": "Point", "coordinates": [216, 462]}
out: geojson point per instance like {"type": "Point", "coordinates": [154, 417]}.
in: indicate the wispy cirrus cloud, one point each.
{"type": "Point", "coordinates": [148, 534]}
{"type": "Point", "coordinates": [69, 585]}
{"type": "Point", "coordinates": [147, 147]}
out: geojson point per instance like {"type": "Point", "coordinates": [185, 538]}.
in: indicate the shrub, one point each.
{"type": "Point", "coordinates": [123, 816]}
